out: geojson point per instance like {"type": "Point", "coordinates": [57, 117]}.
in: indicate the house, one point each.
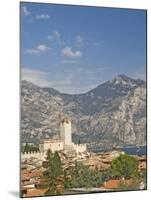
{"type": "Point", "coordinates": [115, 183]}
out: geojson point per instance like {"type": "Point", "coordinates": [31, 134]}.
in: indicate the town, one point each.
{"type": "Point", "coordinates": [62, 167]}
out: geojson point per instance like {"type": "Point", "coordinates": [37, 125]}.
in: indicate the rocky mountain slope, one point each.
{"type": "Point", "coordinates": [114, 113]}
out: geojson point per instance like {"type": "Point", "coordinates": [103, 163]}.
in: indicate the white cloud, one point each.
{"type": "Point", "coordinates": [35, 76]}
{"type": "Point", "coordinates": [25, 10]}
{"type": "Point", "coordinates": [68, 52]}
{"type": "Point", "coordinates": [79, 41]}
{"type": "Point", "coordinates": [139, 76]}
{"type": "Point", "coordinates": [43, 16]}
{"type": "Point", "coordinates": [56, 37]}
{"type": "Point", "coordinates": [40, 48]}
{"type": "Point", "coordinates": [57, 34]}
{"type": "Point", "coordinates": [43, 48]}
{"type": "Point", "coordinates": [77, 80]}
{"type": "Point", "coordinates": [69, 61]}
{"type": "Point", "coordinates": [32, 51]}
{"type": "Point", "coordinates": [44, 79]}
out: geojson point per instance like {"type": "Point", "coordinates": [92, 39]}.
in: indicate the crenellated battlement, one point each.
{"type": "Point", "coordinates": [56, 145]}
{"type": "Point", "coordinates": [35, 154]}
{"type": "Point", "coordinates": [80, 148]}
{"type": "Point", "coordinates": [80, 145]}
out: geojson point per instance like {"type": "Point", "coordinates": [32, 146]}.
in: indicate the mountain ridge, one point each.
{"type": "Point", "coordinates": [108, 112]}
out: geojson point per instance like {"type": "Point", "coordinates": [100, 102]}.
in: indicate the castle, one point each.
{"type": "Point", "coordinates": [64, 144]}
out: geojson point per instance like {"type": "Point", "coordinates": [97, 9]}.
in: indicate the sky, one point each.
{"type": "Point", "coordinates": [75, 48]}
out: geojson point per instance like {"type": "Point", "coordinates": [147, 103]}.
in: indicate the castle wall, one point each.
{"type": "Point", "coordinates": [79, 148]}
{"type": "Point", "coordinates": [53, 146]}
{"type": "Point", "coordinates": [37, 155]}
{"type": "Point", "coordinates": [56, 145]}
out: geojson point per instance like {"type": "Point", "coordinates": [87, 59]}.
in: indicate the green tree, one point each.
{"type": "Point", "coordinates": [107, 175]}
{"type": "Point", "coordinates": [57, 165]}
{"type": "Point", "coordinates": [26, 148]}
{"type": "Point", "coordinates": [82, 176]}
{"type": "Point", "coordinates": [30, 148]}
{"type": "Point", "coordinates": [124, 166]}
{"type": "Point", "coordinates": [53, 172]}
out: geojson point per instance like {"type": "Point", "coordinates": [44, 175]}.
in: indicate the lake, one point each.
{"type": "Point", "coordinates": [131, 150]}
{"type": "Point", "coordinates": [135, 150]}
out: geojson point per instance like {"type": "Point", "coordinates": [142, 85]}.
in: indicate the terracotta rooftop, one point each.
{"type": "Point", "coordinates": [36, 192]}
{"type": "Point", "coordinates": [107, 161]}
{"type": "Point", "coordinates": [111, 184]}
{"type": "Point", "coordinates": [114, 184]}
{"type": "Point", "coordinates": [36, 173]}
{"type": "Point", "coordinates": [142, 159]}
{"type": "Point", "coordinates": [26, 174]}
{"type": "Point", "coordinates": [25, 177]}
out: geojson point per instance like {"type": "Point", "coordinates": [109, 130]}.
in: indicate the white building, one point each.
{"type": "Point", "coordinates": [63, 144]}
{"type": "Point", "coordinates": [66, 135]}
{"type": "Point", "coordinates": [65, 131]}
{"type": "Point", "coordinates": [54, 145]}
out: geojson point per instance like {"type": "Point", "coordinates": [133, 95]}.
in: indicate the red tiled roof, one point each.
{"type": "Point", "coordinates": [113, 184]}
{"type": "Point", "coordinates": [25, 177]}
{"type": "Point", "coordinates": [26, 174]}
{"type": "Point", "coordinates": [36, 192]}
{"type": "Point", "coordinates": [36, 174]}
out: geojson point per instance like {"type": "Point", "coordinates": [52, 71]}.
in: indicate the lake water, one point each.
{"type": "Point", "coordinates": [131, 150]}
{"type": "Point", "coordinates": [135, 150]}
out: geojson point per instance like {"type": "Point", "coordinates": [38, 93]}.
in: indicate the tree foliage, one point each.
{"type": "Point", "coordinates": [124, 166]}
{"type": "Point", "coordinates": [53, 173]}
{"type": "Point", "coordinates": [82, 176]}
{"type": "Point", "coordinates": [30, 148]}
{"type": "Point", "coordinates": [76, 176]}
{"type": "Point", "coordinates": [79, 175]}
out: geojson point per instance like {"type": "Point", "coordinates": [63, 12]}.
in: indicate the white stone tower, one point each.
{"type": "Point", "coordinates": [66, 135]}
{"type": "Point", "coordinates": [65, 131]}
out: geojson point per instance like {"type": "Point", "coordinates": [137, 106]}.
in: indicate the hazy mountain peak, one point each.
{"type": "Point", "coordinates": [113, 110]}
{"type": "Point", "coordinates": [127, 81]}
{"type": "Point", "coordinates": [122, 79]}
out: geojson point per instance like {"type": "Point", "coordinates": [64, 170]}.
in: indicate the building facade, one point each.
{"type": "Point", "coordinates": [63, 144]}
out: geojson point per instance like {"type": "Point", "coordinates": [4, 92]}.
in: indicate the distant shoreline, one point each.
{"type": "Point", "coordinates": [132, 150]}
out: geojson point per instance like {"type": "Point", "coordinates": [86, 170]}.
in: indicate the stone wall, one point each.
{"type": "Point", "coordinates": [54, 146]}
{"type": "Point", "coordinates": [38, 155]}
{"type": "Point", "coordinates": [80, 148]}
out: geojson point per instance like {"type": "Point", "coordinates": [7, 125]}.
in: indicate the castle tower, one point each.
{"type": "Point", "coordinates": [65, 131]}
{"type": "Point", "coordinates": [66, 136]}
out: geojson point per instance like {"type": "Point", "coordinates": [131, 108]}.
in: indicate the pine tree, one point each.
{"type": "Point", "coordinates": [26, 148]}
{"type": "Point", "coordinates": [53, 171]}
{"type": "Point", "coordinates": [57, 165]}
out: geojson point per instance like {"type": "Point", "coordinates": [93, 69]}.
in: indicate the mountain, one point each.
{"type": "Point", "coordinates": [102, 96]}
{"type": "Point", "coordinates": [114, 113]}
